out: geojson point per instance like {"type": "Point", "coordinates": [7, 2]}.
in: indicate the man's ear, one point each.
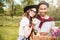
{"type": "Point", "coordinates": [48, 10]}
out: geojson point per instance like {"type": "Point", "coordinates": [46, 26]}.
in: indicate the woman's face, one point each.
{"type": "Point", "coordinates": [32, 12]}
{"type": "Point", "coordinates": [42, 9]}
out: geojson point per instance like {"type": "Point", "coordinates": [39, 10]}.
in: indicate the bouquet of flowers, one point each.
{"type": "Point", "coordinates": [56, 32]}
{"type": "Point", "coordinates": [35, 21]}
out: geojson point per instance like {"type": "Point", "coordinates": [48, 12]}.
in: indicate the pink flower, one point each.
{"type": "Point", "coordinates": [56, 32]}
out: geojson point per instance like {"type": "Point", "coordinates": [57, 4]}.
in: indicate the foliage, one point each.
{"type": "Point", "coordinates": [18, 10]}
{"type": "Point", "coordinates": [54, 12]}
{"type": "Point", "coordinates": [1, 7]}
{"type": "Point", "coordinates": [27, 2]}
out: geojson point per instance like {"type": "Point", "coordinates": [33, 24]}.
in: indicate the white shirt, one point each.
{"type": "Point", "coordinates": [24, 28]}
{"type": "Point", "coordinates": [45, 27]}
{"type": "Point", "coordinates": [23, 22]}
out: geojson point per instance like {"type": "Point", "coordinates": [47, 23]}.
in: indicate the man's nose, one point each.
{"type": "Point", "coordinates": [43, 10]}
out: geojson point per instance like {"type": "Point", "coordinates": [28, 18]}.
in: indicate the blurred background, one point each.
{"type": "Point", "coordinates": [11, 12]}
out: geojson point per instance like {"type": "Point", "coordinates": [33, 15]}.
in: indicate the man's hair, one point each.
{"type": "Point", "coordinates": [43, 2]}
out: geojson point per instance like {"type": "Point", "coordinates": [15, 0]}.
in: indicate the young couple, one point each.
{"type": "Point", "coordinates": [42, 22]}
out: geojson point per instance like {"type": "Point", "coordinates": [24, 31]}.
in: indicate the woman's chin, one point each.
{"type": "Point", "coordinates": [32, 16]}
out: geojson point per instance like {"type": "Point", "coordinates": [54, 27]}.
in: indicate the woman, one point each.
{"type": "Point", "coordinates": [26, 22]}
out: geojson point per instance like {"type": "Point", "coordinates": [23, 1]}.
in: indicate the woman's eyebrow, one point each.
{"type": "Point", "coordinates": [32, 10]}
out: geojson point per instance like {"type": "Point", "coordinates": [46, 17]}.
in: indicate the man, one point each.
{"type": "Point", "coordinates": [46, 22]}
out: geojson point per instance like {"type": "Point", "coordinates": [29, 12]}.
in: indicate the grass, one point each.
{"type": "Point", "coordinates": [8, 33]}
{"type": "Point", "coordinates": [9, 28]}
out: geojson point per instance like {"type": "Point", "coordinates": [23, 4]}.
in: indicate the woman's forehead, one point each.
{"type": "Point", "coordinates": [34, 9]}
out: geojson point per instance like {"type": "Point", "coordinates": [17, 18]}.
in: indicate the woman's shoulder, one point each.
{"type": "Point", "coordinates": [24, 21]}
{"type": "Point", "coordinates": [25, 18]}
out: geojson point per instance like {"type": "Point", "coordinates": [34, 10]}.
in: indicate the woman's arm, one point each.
{"type": "Point", "coordinates": [27, 31]}
{"type": "Point", "coordinates": [24, 25]}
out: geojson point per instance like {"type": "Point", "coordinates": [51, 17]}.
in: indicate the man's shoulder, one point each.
{"type": "Point", "coordinates": [51, 18]}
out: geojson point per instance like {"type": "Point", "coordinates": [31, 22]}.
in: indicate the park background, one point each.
{"type": "Point", "coordinates": [11, 11]}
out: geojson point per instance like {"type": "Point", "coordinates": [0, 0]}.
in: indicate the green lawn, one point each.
{"type": "Point", "coordinates": [9, 28]}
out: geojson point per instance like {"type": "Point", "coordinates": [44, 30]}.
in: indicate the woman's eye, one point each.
{"type": "Point", "coordinates": [41, 9]}
{"type": "Point", "coordinates": [33, 11]}
{"type": "Point", "coordinates": [44, 8]}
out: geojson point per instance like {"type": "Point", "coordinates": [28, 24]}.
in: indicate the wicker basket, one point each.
{"type": "Point", "coordinates": [39, 37]}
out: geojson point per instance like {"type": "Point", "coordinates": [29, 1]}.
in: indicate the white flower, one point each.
{"type": "Point", "coordinates": [35, 20]}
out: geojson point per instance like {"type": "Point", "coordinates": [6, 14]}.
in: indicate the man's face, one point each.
{"type": "Point", "coordinates": [42, 9]}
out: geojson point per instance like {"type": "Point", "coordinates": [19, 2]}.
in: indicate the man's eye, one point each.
{"type": "Point", "coordinates": [44, 8]}
{"type": "Point", "coordinates": [41, 9]}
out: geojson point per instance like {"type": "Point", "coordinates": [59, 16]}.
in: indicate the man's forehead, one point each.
{"type": "Point", "coordinates": [43, 6]}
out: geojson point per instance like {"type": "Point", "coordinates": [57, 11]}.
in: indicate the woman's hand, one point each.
{"type": "Point", "coordinates": [32, 26]}
{"type": "Point", "coordinates": [38, 34]}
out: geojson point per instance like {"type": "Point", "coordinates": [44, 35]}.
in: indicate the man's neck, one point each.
{"type": "Point", "coordinates": [43, 16]}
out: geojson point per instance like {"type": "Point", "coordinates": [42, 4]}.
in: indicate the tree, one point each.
{"type": "Point", "coordinates": [1, 6]}
{"type": "Point", "coordinates": [54, 12]}
{"type": "Point", "coordinates": [11, 2]}
{"type": "Point", "coordinates": [27, 2]}
{"type": "Point", "coordinates": [17, 10]}
{"type": "Point", "coordinates": [57, 14]}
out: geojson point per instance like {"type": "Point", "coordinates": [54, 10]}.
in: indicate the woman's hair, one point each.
{"type": "Point", "coordinates": [27, 10]}
{"type": "Point", "coordinates": [29, 17]}
{"type": "Point", "coordinates": [43, 2]}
